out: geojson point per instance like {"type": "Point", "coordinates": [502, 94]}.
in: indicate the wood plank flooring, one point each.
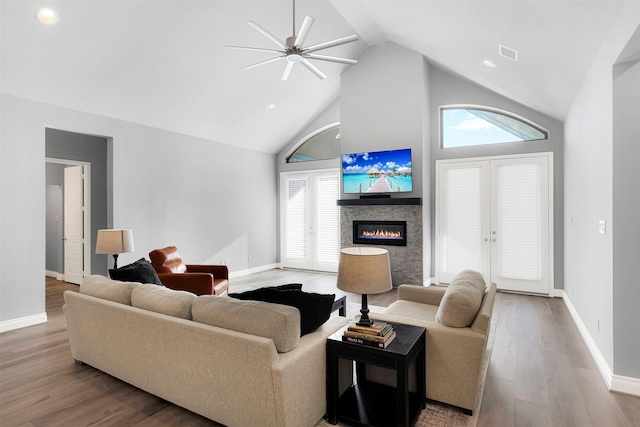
{"type": "Point", "coordinates": [540, 374]}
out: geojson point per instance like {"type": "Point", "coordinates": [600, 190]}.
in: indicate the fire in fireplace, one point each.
{"type": "Point", "coordinates": [380, 232]}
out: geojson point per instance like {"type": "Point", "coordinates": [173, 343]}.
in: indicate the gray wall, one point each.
{"type": "Point", "coordinates": [382, 100]}
{"type": "Point", "coordinates": [447, 89]}
{"type": "Point", "coordinates": [590, 283]}
{"type": "Point", "coordinates": [91, 149]}
{"type": "Point", "coordinates": [383, 104]}
{"type": "Point", "coordinates": [626, 210]}
{"type": "Point", "coordinates": [169, 188]}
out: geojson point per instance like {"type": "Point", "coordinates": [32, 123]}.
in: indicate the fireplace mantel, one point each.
{"type": "Point", "coordinates": [381, 201]}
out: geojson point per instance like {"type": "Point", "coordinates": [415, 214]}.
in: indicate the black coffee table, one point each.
{"type": "Point", "coordinates": [371, 404]}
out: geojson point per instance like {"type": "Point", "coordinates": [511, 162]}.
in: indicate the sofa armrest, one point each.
{"type": "Point", "coordinates": [198, 283]}
{"type": "Point", "coordinates": [454, 360]}
{"type": "Point", "coordinates": [218, 271]}
{"type": "Point", "coordinates": [299, 376]}
{"type": "Point", "coordinates": [431, 295]}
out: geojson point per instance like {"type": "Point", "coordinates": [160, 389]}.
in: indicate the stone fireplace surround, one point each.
{"type": "Point", "coordinates": [406, 261]}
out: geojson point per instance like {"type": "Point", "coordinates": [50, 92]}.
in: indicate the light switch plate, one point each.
{"type": "Point", "coordinates": [602, 227]}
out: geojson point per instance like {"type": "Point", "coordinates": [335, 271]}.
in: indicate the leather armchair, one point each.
{"type": "Point", "coordinates": [200, 279]}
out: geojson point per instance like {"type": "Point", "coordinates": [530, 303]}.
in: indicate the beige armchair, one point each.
{"type": "Point", "coordinates": [455, 355]}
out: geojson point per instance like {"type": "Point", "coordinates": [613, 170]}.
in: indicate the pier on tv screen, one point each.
{"type": "Point", "coordinates": [377, 172]}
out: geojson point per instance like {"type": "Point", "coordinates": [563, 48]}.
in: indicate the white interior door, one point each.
{"type": "Point", "coordinates": [495, 216]}
{"type": "Point", "coordinates": [73, 225]}
{"type": "Point", "coordinates": [310, 220]}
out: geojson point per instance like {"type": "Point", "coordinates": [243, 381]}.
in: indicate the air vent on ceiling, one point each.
{"type": "Point", "coordinates": [509, 53]}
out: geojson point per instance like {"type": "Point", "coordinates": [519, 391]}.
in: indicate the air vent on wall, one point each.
{"type": "Point", "coordinates": [509, 53]}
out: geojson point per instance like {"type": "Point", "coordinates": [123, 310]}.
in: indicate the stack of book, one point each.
{"type": "Point", "coordinates": [379, 334]}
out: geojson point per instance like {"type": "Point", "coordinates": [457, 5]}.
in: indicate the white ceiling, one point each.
{"type": "Point", "coordinates": [163, 63]}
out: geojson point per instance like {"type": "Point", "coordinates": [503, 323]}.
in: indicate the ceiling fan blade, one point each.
{"type": "Point", "coordinates": [331, 59]}
{"type": "Point", "coordinates": [287, 70]}
{"type": "Point", "coordinates": [256, 49]}
{"type": "Point", "coordinates": [267, 34]}
{"type": "Point", "coordinates": [264, 62]}
{"type": "Point", "coordinates": [304, 30]}
{"type": "Point", "coordinates": [332, 43]}
{"type": "Point", "coordinates": [313, 68]}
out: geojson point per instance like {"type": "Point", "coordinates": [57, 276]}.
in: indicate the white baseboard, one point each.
{"type": "Point", "coordinates": [246, 272]}
{"type": "Point", "coordinates": [626, 385]}
{"type": "Point", "coordinates": [23, 322]}
{"type": "Point", "coordinates": [617, 383]}
{"type": "Point", "coordinates": [54, 274]}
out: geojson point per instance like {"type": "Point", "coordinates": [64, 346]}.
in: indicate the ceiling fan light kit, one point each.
{"type": "Point", "coordinates": [293, 51]}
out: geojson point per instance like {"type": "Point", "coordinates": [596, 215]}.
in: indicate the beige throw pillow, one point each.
{"type": "Point", "coordinates": [278, 322]}
{"type": "Point", "coordinates": [462, 300]}
{"type": "Point", "coordinates": [163, 300]}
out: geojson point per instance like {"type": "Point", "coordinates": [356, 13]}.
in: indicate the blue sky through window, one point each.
{"type": "Point", "coordinates": [462, 128]}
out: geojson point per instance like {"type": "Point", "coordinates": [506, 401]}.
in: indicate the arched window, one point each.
{"type": "Point", "coordinates": [321, 145]}
{"type": "Point", "coordinates": [469, 125]}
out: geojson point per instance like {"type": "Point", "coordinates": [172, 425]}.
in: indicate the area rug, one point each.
{"type": "Point", "coordinates": [441, 415]}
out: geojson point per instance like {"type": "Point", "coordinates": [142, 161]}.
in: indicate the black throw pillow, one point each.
{"type": "Point", "coordinates": [315, 309]}
{"type": "Point", "coordinates": [140, 271]}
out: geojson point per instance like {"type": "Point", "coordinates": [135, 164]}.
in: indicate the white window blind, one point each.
{"type": "Point", "coordinates": [297, 219]}
{"type": "Point", "coordinates": [463, 238]}
{"type": "Point", "coordinates": [328, 219]}
{"type": "Point", "coordinates": [519, 219]}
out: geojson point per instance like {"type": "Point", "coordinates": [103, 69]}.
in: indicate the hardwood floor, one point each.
{"type": "Point", "coordinates": [540, 373]}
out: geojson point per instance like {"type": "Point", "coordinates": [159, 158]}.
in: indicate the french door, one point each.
{"type": "Point", "coordinates": [310, 220]}
{"type": "Point", "coordinates": [495, 216]}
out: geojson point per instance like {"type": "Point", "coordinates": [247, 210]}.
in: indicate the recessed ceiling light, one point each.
{"type": "Point", "coordinates": [46, 16]}
{"type": "Point", "coordinates": [270, 108]}
{"type": "Point", "coordinates": [489, 63]}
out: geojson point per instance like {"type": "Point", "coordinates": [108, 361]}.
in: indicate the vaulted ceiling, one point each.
{"type": "Point", "coordinates": [164, 64]}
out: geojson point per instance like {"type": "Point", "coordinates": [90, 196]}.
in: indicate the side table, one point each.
{"type": "Point", "coordinates": [371, 404]}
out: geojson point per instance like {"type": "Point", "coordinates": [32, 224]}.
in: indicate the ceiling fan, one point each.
{"type": "Point", "coordinates": [293, 51]}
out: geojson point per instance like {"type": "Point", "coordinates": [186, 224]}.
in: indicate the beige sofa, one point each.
{"type": "Point", "coordinates": [457, 319]}
{"type": "Point", "coordinates": [240, 363]}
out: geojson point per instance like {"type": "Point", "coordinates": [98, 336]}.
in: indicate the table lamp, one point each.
{"type": "Point", "coordinates": [114, 242]}
{"type": "Point", "coordinates": [364, 270]}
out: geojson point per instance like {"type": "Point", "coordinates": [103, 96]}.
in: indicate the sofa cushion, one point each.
{"type": "Point", "coordinates": [315, 309]}
{"type": "Point", "coordinates": [140, 271]}
{"type": "Point", "coordinates": [280, 323]}
{"type": "Point", "coordinates": [102, 287]}
{"type": "Point", "coordinates": [462, 300]}
{"type": "Point", "coordinates": [163, 300]}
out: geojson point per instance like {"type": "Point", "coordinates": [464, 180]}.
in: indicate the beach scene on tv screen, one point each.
{"type": "Point", "coordinates": [377, 172]}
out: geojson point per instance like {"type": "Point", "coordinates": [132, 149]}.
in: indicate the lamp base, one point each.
{"type": "Point", "coordinates": [364, 313]}
{"type": "Point", "coordinates": [115, 261]}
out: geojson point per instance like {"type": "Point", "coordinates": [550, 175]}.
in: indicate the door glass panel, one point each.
{"type": "Point", "coordinates": [519, 221]}
{"type": "Point", "coordinates": [297, 219]}
{"type": "Point", "coordinates": [328, 220]}
{"type": "Point", "coordinates": [463, 220]}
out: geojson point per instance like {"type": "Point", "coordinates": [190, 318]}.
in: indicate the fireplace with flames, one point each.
{"type": "Point", "coordinates": [380, 232]}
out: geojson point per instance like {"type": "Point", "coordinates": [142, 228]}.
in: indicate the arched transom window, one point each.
{"type": "Point", "coordinates": [469, 125]}
{"type": "Point", "coordinates": [321, 145]}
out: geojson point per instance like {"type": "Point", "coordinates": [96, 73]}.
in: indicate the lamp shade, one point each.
{"type": "Point", "coordinates": [114, 241]}
{"type": "Point", "coordinates": [364, 270]}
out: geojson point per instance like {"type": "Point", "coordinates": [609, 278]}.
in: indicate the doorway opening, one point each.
{"type": "Point", "coordinates": [68, 223]}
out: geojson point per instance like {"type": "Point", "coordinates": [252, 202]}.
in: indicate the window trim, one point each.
{"type": "Point", "coordinates": [518, 117]}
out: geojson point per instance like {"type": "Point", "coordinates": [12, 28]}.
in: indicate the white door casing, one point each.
{"type": "Point", "coordinates": [495, 215]}
{"type": "Point", "coordinates": [310, 220]}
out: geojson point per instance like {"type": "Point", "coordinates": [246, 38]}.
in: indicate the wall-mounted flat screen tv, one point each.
{"type": "Point", "coordinates": [377, 172]}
